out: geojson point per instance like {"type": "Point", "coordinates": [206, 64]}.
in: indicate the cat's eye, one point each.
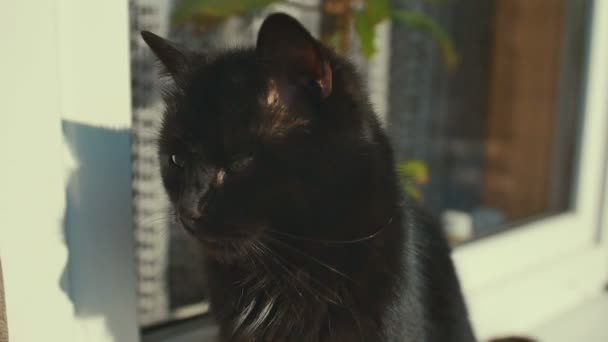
{"type": "Point", "coordinates": [241, 163]}
{"type": "Point", "coordinates": [176, 160]}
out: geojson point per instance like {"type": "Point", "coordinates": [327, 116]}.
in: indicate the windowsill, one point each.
{"type": "Point", "coordinates": [584, 323]}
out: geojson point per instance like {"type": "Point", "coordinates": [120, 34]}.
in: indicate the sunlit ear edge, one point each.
{"type": "Point", "coordinates": [281, 54]}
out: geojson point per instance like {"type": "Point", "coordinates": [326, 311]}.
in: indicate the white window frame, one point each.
{"type": "Point", "coordinates": [508, 292]}
{"type": "Point", "coordinates": [75, 55]}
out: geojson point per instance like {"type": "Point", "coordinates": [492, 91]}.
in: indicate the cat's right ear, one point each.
{"type": "Point", "coordinates": [289, 50]}
{"type": "Point", "coordinates": [176, 61]}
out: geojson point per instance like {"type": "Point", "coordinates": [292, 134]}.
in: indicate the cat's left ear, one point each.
{"type": "Point", "coordinates": [290, 51]}
{"type": "Point", "coordinates": [176, 61]}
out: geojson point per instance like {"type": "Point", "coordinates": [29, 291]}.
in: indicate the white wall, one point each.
{"type": "Point", "coordinates": [31, 177]}
{"type": "Point", "coordinates": [65, 171]}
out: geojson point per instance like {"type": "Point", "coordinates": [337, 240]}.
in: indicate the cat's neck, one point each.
{"type": "Point", "coordinates": [292, 285]}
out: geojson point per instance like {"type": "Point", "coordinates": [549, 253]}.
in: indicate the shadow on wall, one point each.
{"type": "Point", "coordinates": [98, 230]}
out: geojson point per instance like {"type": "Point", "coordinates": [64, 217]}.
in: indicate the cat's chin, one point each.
{"type": "Point", "coordinates": [225, 248]}
{"type": "Point", "coordinates": [227, 241]}
{"type": "Point", "coordinates": [225, 252]}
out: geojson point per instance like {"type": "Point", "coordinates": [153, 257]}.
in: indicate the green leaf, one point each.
{"type": "Point", "coordinates": [414, 171]}
{"type": "Point", "coordinates": [412, 191]}
{"type": "Point", "coordinates": [426, 24]}
{"type": "Point", "coordinates": [365, 31]}
{"type": "Point", "coordinates": [437, 2]}
{"type": "Point", "coordinates": [413, 174]}
{"type": "Point", "coordinates": [335, 41]}
{"type": "Point", "coordinates": [366, 19]}
{"type": "Point", "coordinates": [377, 10]}
{"type": "Point", "coordinates": [186, 9]}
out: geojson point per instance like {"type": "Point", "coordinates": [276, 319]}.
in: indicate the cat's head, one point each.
{"type": "Point", "coordinates": [252, 137]}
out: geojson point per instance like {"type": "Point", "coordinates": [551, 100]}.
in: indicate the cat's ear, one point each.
{"type": "Point", "coordinates": [290, 51]}
{"type": "Point", "coordinates": [176, 61]}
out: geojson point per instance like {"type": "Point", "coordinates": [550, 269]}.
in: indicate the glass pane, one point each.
{"type": "Point", "coordinates": [484, 123]}
{"type": "Point", "coordinates": [498, 132]}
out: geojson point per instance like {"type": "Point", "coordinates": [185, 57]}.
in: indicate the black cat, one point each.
{"type": "Point", "coordinates": [273, 158]}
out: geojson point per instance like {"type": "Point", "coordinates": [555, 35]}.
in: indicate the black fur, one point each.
{"type": "Point", "coordinates": [274, 159]}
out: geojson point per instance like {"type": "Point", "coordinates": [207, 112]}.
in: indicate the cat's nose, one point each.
{"type": "Point", "coordinates": [188, 217]}
{"type": "Point", "coordinates": [192, 208]}
{"type": "Point", "coordinates": [189, 214]}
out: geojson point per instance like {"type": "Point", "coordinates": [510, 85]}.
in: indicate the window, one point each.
{"type": "Point", "coordinates": [499, 132]}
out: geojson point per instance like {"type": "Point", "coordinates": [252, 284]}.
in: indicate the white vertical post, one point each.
{"type": "Point", "coordinates": [96, 120]}
{"type": "Point", "coordinates": [378, 75]}
{"type": "Point", "coordinates": [32, 193]}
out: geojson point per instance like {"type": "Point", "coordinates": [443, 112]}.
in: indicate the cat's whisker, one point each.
{"type": "Point", "coordinates": [294, 249]}
{"type": "Point", "coordinates": [337, 301]}
{"type": "Point", "coordinates": [275, 257]}
{"type": "Point", "coordinates": [325, 241]}
{"type": "Point", "coordinates": [297, 283]}
{"type": "Point", "coordinates": [260, 260]}
{"type": "Point", "coordinates": [154, 220]}
{"type": "Point", "coordinates": [154, 132]}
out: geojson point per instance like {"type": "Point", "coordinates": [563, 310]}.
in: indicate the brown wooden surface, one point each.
{"type": "Point", "coordinates": [522, 105]}
{"type": "Point", "coordinates": [336, 22]}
